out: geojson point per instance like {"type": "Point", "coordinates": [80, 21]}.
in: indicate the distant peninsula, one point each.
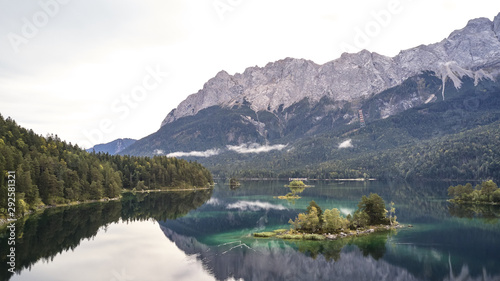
{"type": "Point", "coordinates": [41, 172]}
{"type": "Point", "coordinates": [486, 193]}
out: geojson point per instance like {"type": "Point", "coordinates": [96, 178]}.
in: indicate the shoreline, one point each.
{"type": "Point", "coordinates": [285, 234]}
{"type": "Point", "coordinates": [460, 202]}
{"type": "Point", "coordinates": [41, 209]}
{"type": "Point", "coordinates": [4, 222]}
{"type": "Point", "coordinates": [166, 190]}
{"type": "Point", "coordinates": [286, 179]}
{"type": "Point", "coordinates": [287, 197]}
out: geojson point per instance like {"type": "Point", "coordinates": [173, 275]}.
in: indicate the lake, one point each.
{"type": "Point", "coordinates": [207, 235]}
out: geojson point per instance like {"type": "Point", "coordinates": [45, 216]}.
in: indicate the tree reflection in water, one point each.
{"type": "Point", "coordinates": [217, 236]}
{"type": "Point", "coordinates": [56, 230]}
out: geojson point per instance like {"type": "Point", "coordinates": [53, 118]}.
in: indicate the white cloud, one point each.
{"type": "Point", "coordinates": [206, 153]}
{"type": "Point", "coordinates": [346, 144]}
{"type": "Point", "coordinates": [213, 202]}
{"type": "Point", "coordinates": [254, 206]}
{"type": "Point", "coordinates": [158, 152]}
{"type": "Point", "coordinates": [243, 149]}
{"type": "Point", "coordinates": [255, 148]}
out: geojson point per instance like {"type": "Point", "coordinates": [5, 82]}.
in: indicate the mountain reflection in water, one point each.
{"type": "Point", "coordinates": [212, 229]}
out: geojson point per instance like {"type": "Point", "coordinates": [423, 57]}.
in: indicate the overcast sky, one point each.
{"type": "Point", "coordinates": [92, 71]}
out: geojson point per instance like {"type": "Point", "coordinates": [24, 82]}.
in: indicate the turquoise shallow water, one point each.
{"type": "Point", "coordinates": [207, 235]}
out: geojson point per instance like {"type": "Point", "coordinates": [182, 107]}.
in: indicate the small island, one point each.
{"type": "Point", "coordinates": [370, 217]}
{"type": "Point", "coordinates": [486, 193]}
{"type": "Point", "coordinates": [297, 184]}
{"type": "Point", "coordinates": [296, 187]}
{"type": "Point", "coordinates": [234, 182]}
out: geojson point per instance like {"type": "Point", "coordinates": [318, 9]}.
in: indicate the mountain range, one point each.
{"type": "Point", "coordinates": [113, 147]}
{"type": "Point", "coordinates": [294, 116]}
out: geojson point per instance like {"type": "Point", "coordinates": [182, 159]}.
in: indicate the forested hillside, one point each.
{"type": "Point", "coordinates": [469, 155]}
{"type": "Point", "coordinates": [50, 171]}
{"type": "Point", "coordinates": [458, 138]}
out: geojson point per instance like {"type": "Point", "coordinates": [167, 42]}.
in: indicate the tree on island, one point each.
{"type": "Point", "coordinates": [333, 221]}
{"type": "Point", "coordinates": [392, 210]}
{"type": "Point", "coordinates": [307, 222]}
{"type": "Point", "coordinates": [312, 205]}
{"type": "Point", "coordinates": [296, 187]}
{"type": "Point", "coordinates": [297, 183]}
{"type": "Point", "coordinates": [488, 188]}
{"type": "Point", "coordinates": [374, 207]}
{"type": "Point", "coordinates": [360, 219]}
{"type": "Point", "coordinates": [371, 211]}
{"type": "Point", "coordinates": [234, 182]}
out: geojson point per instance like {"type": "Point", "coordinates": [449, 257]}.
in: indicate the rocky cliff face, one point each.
{"type": "Point", "coordinates": [473, 51]}
{"type": "Point", "coordinates": [276, 106]}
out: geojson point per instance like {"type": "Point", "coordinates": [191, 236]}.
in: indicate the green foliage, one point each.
{"type": "Point", "coordinates": [460, 191]}
{"type": "Point", "coordinates": [295, 189]}
{"type": "Point", "coordinates": [333, 222]}
{"type": "Point", "coordinates": [312, 222]}
{"type": "Point", "coordinates": [312, 205]}
{"type": "Point", "coordinates": [140, 186]}
{"type": "Point", "coordinates": [313, 236]}
{"type": "Point", "coordinates": [392, 211]}
{"type": "Point", "coordinates": [50, 171]}
{"type": "Point", "coordinates": [374, 207]}
{"type": "Point", "coordinates": [371, 211]}
{"type": "Point", "coordinates": [487, 192]}
{"type": "Point", "coordinates": [307, 222]}
{"type": "Point", "coordinates": [264, 234]}
{"type": "Point", "coordinates": [496, 196]}
{"type": "Point", "coordinates": [360, 219]}
{"type": "Point", "coordinates": [488, 187]}
{"type": "Point", "coordinates": [290, 236]}
{"type": "Point", "coordinates": [296, 183]}
{"type": "Point", "coordinates": [489, 213]}
{"type": "Point", "coordinates": [234, 182]}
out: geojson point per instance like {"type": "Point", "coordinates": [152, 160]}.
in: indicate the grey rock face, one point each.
{"type": "Point", "coordinates": [351, 77]}
{"type": "Point", "coordinates": [496, 25]}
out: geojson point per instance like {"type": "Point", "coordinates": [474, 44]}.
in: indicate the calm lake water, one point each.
{"type": "Point", "coordinates": [207, 235]}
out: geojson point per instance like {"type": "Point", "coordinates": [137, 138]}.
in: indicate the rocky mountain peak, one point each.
{"type": "Point", "coordinates": [474, 26]}
{"type": "Point", "coordinates": [496, 26]}
{"type": "Point", "coordinates": [350, 78]}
